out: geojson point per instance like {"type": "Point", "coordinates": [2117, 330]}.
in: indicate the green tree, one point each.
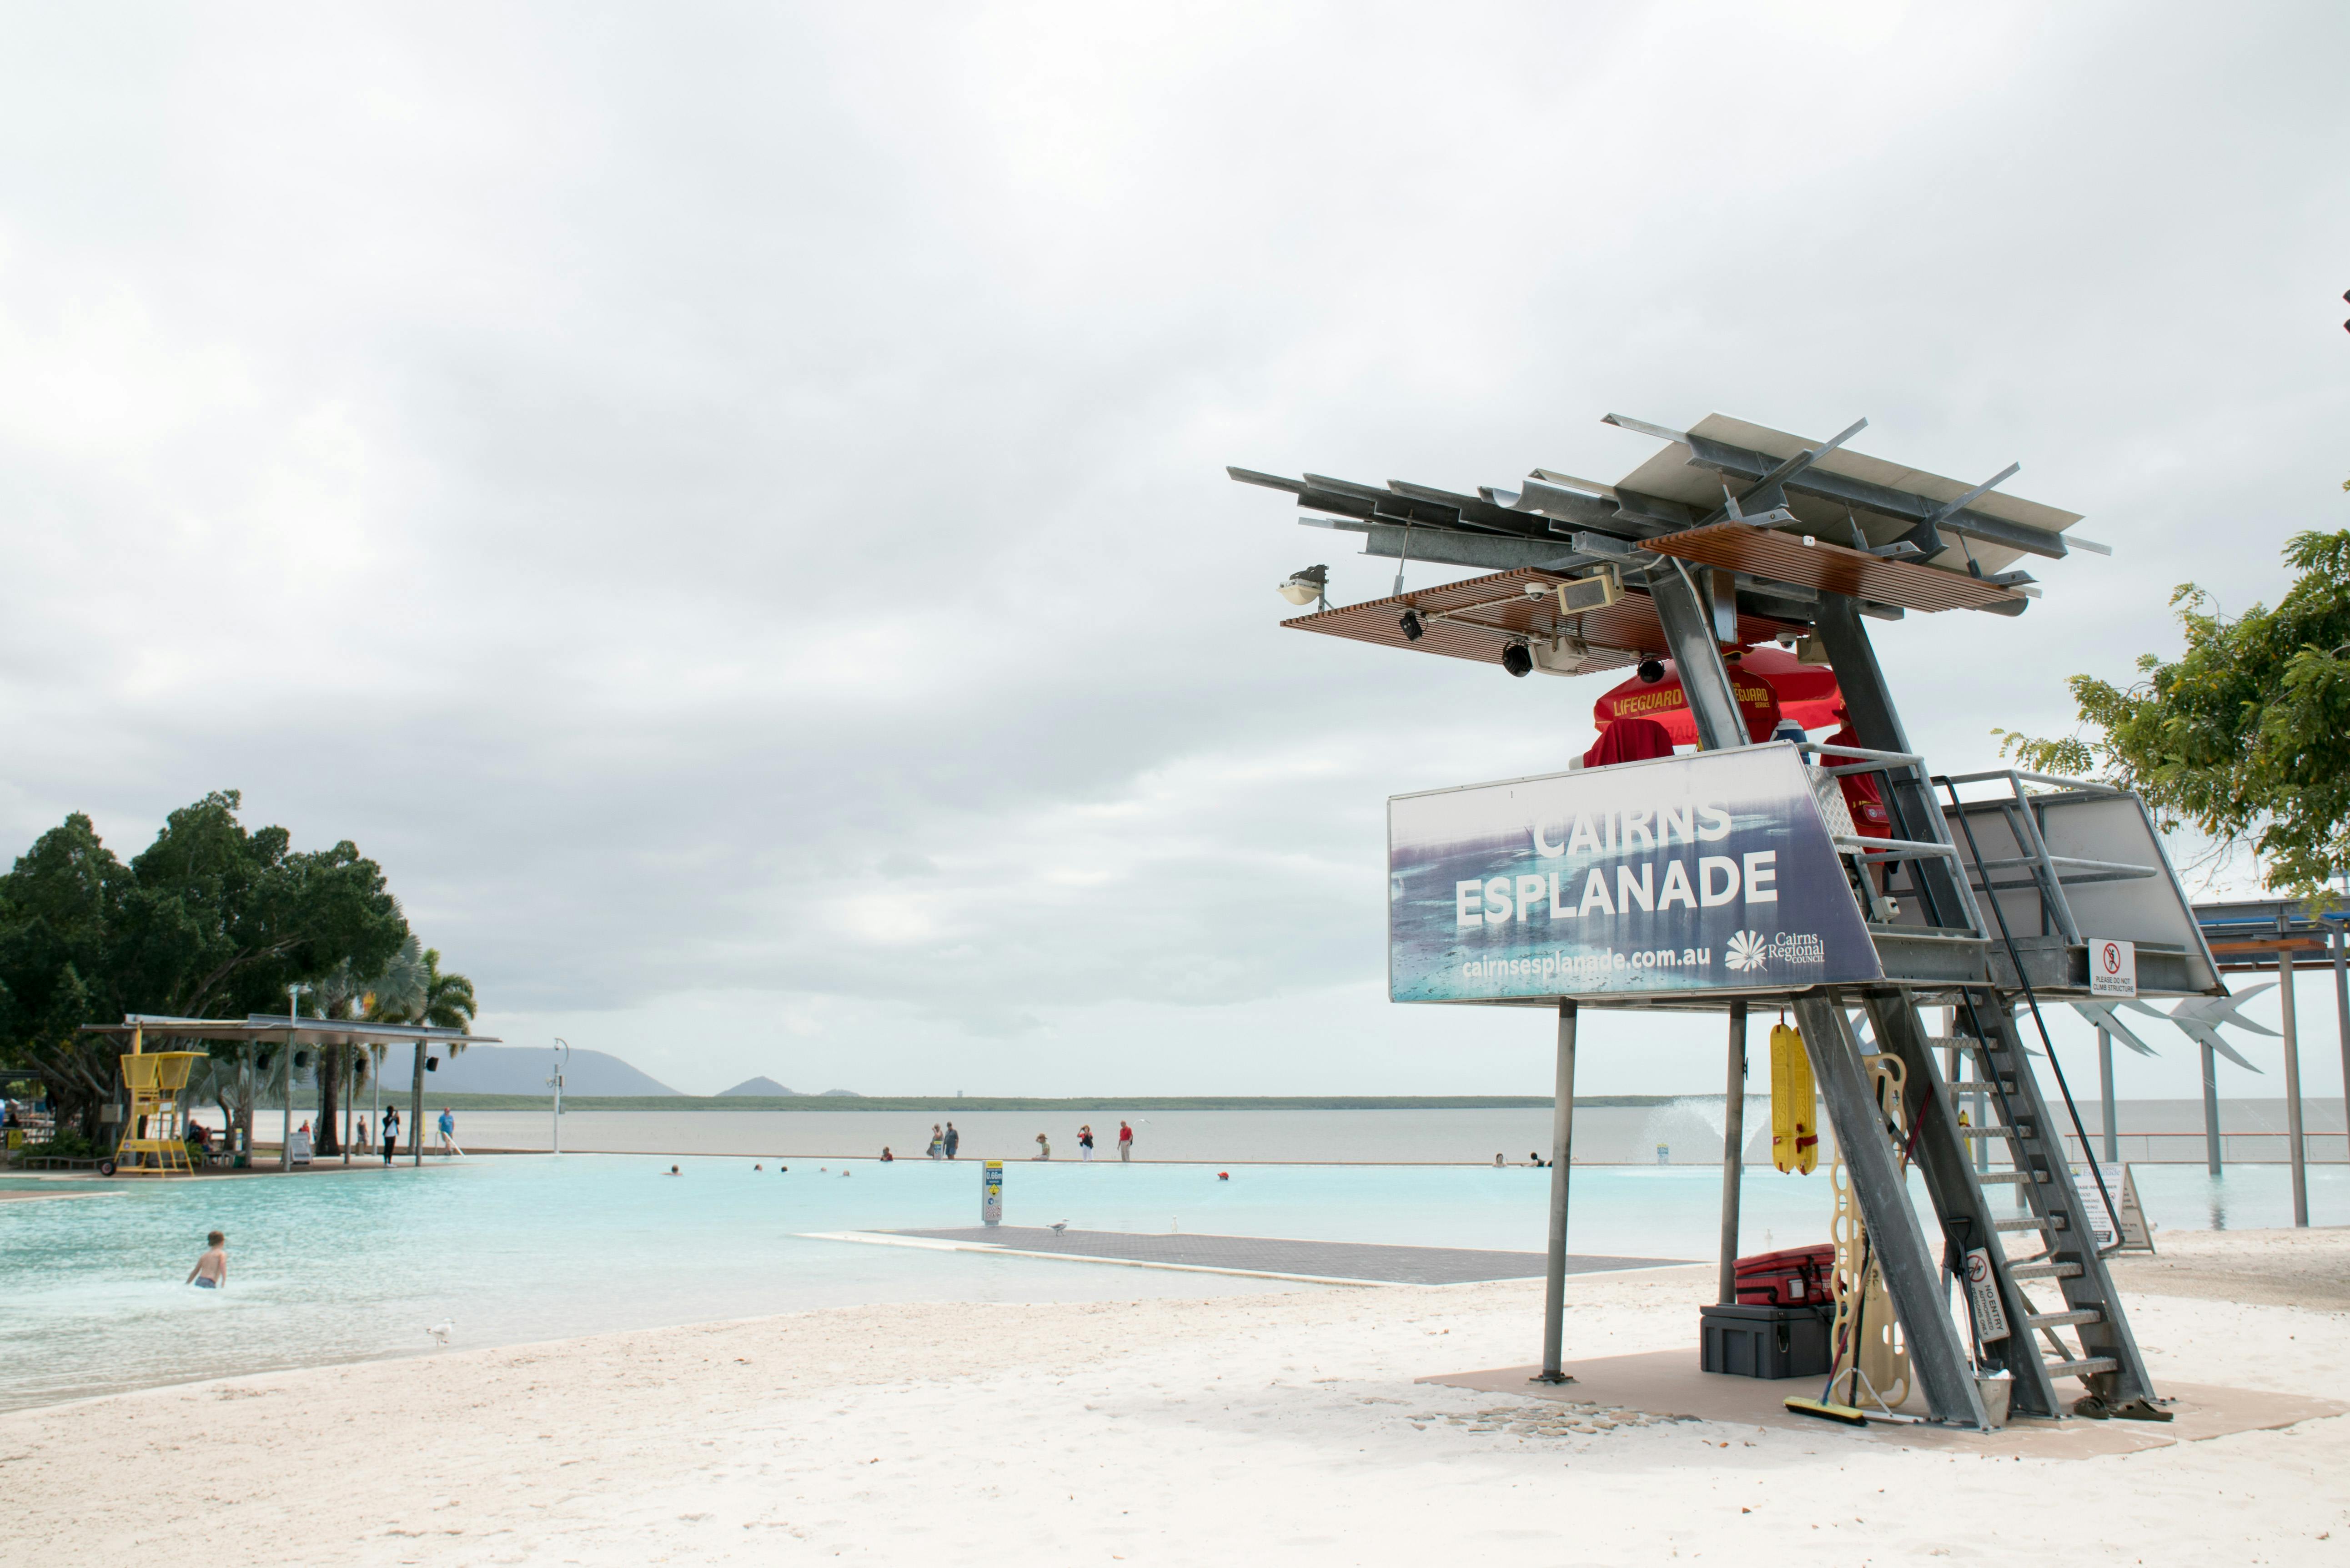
{"type": "Point", "coordinates": [211, 920]}
{"type": "Point", "coordinates": [2246, 734]}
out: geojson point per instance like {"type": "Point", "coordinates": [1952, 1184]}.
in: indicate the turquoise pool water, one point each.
{"type": "Point", "coordinates": [340, 1267]}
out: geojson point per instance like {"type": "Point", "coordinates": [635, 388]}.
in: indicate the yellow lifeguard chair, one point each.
{"type": "Point", "coordinates": [154, 1140]}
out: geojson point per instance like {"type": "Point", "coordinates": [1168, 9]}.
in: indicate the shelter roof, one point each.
{"type": "Point", "coordinates": [2248, 934]}
{"type": "Point", "coordinates": [1784, 517]}
{"type": "Point", "coordinates": [1693, 471]}
{"type": "Point", "coordinates": [297, 1031]}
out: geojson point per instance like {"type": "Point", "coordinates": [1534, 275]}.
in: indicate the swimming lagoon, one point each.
{"type": "Point", "coordinates": [336, 1267]}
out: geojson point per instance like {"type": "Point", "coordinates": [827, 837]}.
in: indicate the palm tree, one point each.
{"type": "Point", "coordinates": [444, 1002]}
{"type": "Point", "coordinates": [341, 993]}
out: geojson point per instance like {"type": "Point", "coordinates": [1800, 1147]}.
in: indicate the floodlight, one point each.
{"type": "Point", "coordinates": [1309, 584]}
{"type": "Point", "coordinates": [1651, 670]}
{"type": "Point", "coordinates": [1516, 660]}
{"type": "Point", "coordinates": [1597, 591]}
{"type": "Point", "coordinates": [1412, 629]}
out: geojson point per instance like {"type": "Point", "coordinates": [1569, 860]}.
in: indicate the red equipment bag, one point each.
{"type": "Point", "coordinates": [1800, 1276]}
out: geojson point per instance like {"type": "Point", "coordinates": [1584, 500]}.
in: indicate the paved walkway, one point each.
{"type": "Point", "coordinates": [1358, 1261]}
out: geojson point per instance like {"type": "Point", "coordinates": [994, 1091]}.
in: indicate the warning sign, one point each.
{"type": "Point", "coordinates": [1983, 1291]}
{"type": "Point", "coordinates": [2113, 967]}
{"type": "Point", "coordinates": [2135, 1237]}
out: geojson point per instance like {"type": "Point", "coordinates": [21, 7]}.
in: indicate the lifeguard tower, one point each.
{"type": "Point", "coordinates": [154, 1140]}
{"type": "Point", "coordinates": [1764, 870]}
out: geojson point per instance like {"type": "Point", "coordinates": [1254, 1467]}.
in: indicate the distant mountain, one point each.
{"type": "Point", "coordinates": [841, 1094]}
{"type": "Point", "coordinates": [766, 1087]}
{"type": "Point", "coordinates": [523, 1069]}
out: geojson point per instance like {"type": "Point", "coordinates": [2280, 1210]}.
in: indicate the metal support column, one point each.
{"type": "Point", "coordinates": [2211, 1109]}
{"type": "Point", "coordinates": [285, 1106]}
{"type": "Point", "coordinates": [1909, 795]}
{"type": "Point", "coordinates": [2335, 941]}
{"type": "Point", "coordinates": [416, 1108]}
{"type": "Point", "coordinates": [1687, 621]}
{"type": "Point", "coordinates": [1733, 1152]}
{"type": "Point", "coordinates": [2292, 1092]}
{"type": "Point", "coordinates": [1912, 1278]}
{"type": "Point", "coordinates": [2106, 1087]}
{"type": "Point", "coordinates": [1562, 1163]}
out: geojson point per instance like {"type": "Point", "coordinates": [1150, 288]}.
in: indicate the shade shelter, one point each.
{"type": "Point", "coordinates": [1736, 876]}
{"type": "Point", "coordinates": [291, 1033]}
{"type": "Point", "coordinates": [2276, 936]}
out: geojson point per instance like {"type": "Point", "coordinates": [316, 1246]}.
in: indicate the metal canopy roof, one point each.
{"type": "Point", "coordinates": [1814, 563]}
{"type": "Point", "coordinates": [1887, 500]}
{"type": "Point", "coordinates": [298, 1031]}
{"type": "Point", "coordinates": [1476, 619]}
{"type": "Point", "coordinates": [1784, 517]}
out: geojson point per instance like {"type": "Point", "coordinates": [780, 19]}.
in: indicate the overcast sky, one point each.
{"type": "Point", "coordinates": [726, 503]}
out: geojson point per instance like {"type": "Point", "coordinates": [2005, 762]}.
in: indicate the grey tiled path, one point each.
{"type": "Point", "coordinates": [1267, 1254]}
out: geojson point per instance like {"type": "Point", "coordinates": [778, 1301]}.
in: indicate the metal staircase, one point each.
{"type": "Point", "coordinates": [2062, 1252]}
{"type": "Point", "coordinates": [2056, 1284]}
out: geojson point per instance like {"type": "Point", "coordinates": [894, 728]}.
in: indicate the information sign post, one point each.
{"type": "Point", "coordinates": [991, 1193]}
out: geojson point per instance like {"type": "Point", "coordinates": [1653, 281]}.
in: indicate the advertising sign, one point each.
{"type": "Point", "coordinates": [991, 1193]}
{"type": "Point", "coordinates": [2113, 968]}
{"type": "Point", "coordinates": [1708, 872]}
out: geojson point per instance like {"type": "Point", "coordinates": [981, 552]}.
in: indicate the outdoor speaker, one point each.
{"type": "Point", "coordinates": [301, 1059]}
{"type": "Point", "coordinates": [1597, 591]}
{"type": "Point", "coordinates": [432, 1064]}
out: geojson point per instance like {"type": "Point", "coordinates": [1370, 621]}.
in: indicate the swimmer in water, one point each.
{"type": "Point", "coordinates": [210, 1272]}
{"type": "Point", "coordinates": [672, 1171]}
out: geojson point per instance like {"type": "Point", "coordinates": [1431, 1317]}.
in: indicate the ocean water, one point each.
{"type": "Point", "coordinates": [341, 1267]}
{"type": "Point", "coordinates": [1689, 1130]}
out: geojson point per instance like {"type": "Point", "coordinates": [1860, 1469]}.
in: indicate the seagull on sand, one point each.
{"type": "Point", "coordinates": [441, 1330]}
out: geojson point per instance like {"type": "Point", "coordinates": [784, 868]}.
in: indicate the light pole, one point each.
{"type": "Point", "coordinates": [563, 1046]}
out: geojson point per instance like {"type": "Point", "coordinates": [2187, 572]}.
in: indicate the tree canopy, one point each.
{"type": "Point", "coordinates": [2246, 734]}
{"type": "Point", "coordinates": [211, 920]}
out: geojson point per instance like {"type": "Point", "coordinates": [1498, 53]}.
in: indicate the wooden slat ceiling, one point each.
{"type": "Point", "coordinates": [1618, 636]}
{"type": "Point", "coordinates": [1831, 568]}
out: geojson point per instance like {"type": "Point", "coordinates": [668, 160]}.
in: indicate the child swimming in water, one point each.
{"type": "Point", "coordinates": [210, 1272]}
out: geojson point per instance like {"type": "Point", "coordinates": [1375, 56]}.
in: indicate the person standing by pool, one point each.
{"type": "Point", "coordinates": [1085, 1143]}
{"type": "Point", "coordinates": [938, 1143]}
{"type": "Point", "coordinates": [391, 1132]}
{"type": "Point", "coordinates": [447, 1127]}
{"type": "Point", "coordinates": [211, 1272]}
{"type": "Point", "coordinates": [953, 1138]}
{"type": "Point", "coordinates": [1125, 1142]}
{"type": "Point", "coordinates": [1043, 1147]}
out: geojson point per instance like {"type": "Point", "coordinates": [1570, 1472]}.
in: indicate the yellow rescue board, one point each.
{"type": "Point", "coordinates": [1794, 1106]}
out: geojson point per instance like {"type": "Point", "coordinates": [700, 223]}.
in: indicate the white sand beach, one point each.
{"type": "Point", "coordinates": [1288, 1427]}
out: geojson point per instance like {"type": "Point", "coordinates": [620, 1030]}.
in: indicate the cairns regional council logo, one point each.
{"type": "Point", "coordinates": [1752, 949]}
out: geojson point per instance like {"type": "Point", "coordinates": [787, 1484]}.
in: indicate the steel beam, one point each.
{"type": "Point", "coordinates": [1561, 1164]}
{"type": "Point", "coordinates": [1733, 1153]}
{"type": "Point", "coordinates": [1688, 622]}
{"type": "Point", "coordinates": [1490, 551]}
{"type": "Point", "coordinates": [2335, 939]}
{"type": "Point", "coordinates": [1912, 1278]}
{"type": "Point", "coordinates": [1916, 814]}
{"type": "Point", "coordinates": [2106, 1087]}
{"type": "Point", "coordinates": [2211, 1110]}
{"type": "Point", "coordinates": [2292, 1092]}
{"type": "Point", "coordinates": [1903, 505]}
